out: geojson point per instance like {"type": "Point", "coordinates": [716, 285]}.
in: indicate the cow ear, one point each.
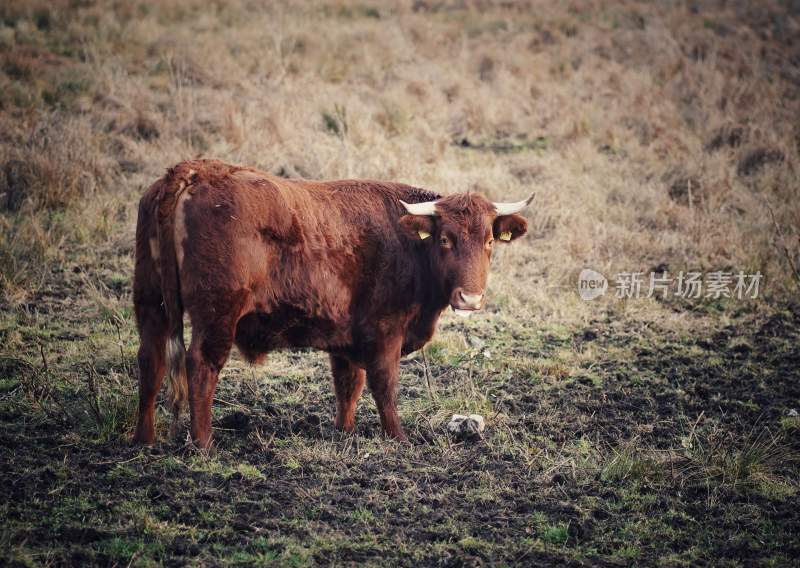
{"type": "Point", "coordinates": [418, 227]}
{"type": "Point", "coordinates": [509, 227]}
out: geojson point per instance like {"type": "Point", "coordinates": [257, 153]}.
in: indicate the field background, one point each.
{"type": "Point", "coordinates": [657, 135]}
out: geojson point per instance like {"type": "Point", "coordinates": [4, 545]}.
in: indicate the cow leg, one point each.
{"type": "Point", "coordinates": [382, 376]}
{"type": "Point", "coordinates": [348, 382]}
{"type": "Point", "coordinates": [153, 325]}
{"type": "Point", "coordinates": [204, 361]}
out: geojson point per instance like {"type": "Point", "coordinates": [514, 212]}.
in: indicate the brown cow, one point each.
{"type": "Point", "coordinates": [360, 269]}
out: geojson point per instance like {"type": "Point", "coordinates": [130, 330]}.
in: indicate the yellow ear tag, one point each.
{"type": "Point", "coordinates": [505, 236]}
{"type": "Point", "coordinates": [423, 234]}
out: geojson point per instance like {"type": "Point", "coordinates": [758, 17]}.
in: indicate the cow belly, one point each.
{"type": "Point", "coordinates": [259, 332]}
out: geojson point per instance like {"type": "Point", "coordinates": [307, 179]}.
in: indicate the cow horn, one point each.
{"type": "Point", "coordinates": [426, 208]}
{"type": "Point", "coordinates": [511, 208]}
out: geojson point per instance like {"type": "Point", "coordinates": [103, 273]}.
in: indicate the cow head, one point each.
{"type": "Point", "coordinates": [458, 233]}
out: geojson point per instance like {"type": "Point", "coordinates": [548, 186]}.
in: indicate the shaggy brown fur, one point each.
{"type": "Point", "coordinates": [268, 263]}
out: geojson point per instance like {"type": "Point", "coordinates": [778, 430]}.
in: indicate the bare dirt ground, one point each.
{"type": "Point", "coordinates": [619, 432]}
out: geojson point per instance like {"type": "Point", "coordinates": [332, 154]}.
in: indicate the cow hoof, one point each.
{"type": "Point", "coordinates": [141, 441]}
{"type": "Point", "coordinates": [204, 448]}
{"type": "Point", "coordinates": [397, 437]}
{"type": "Point", "coordinates": [347, 428]}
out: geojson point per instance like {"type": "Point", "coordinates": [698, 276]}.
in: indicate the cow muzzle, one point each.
{"type": "Point", "coordinates": [465, 303]}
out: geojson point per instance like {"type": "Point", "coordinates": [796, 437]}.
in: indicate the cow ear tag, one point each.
{"type": "Point", "coordinates": [423, 234]}
{"type": "Point", "coordinates": [505, 236]}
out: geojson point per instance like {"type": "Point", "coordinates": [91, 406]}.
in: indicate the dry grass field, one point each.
{"type": "Point", "coordinates": [639, 431]}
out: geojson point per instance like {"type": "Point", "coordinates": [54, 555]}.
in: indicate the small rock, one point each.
{"type": "Point", "coordinates": [471, 425]}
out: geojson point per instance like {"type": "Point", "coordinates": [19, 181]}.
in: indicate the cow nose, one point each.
{"type": "Point", "coordinates": [472, 300]}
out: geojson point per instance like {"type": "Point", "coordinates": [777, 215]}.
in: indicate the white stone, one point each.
{"type": "Point", "coordinates": [466, 425]}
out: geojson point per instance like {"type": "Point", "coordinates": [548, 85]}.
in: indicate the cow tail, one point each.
{"type": "Point", "coordinates": [177, 384]}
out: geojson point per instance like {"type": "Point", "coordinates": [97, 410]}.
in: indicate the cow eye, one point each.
{"type": "Point", "coordinates": [446, 242]}
{"type": "Point", "coordinates": [489, 244]}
